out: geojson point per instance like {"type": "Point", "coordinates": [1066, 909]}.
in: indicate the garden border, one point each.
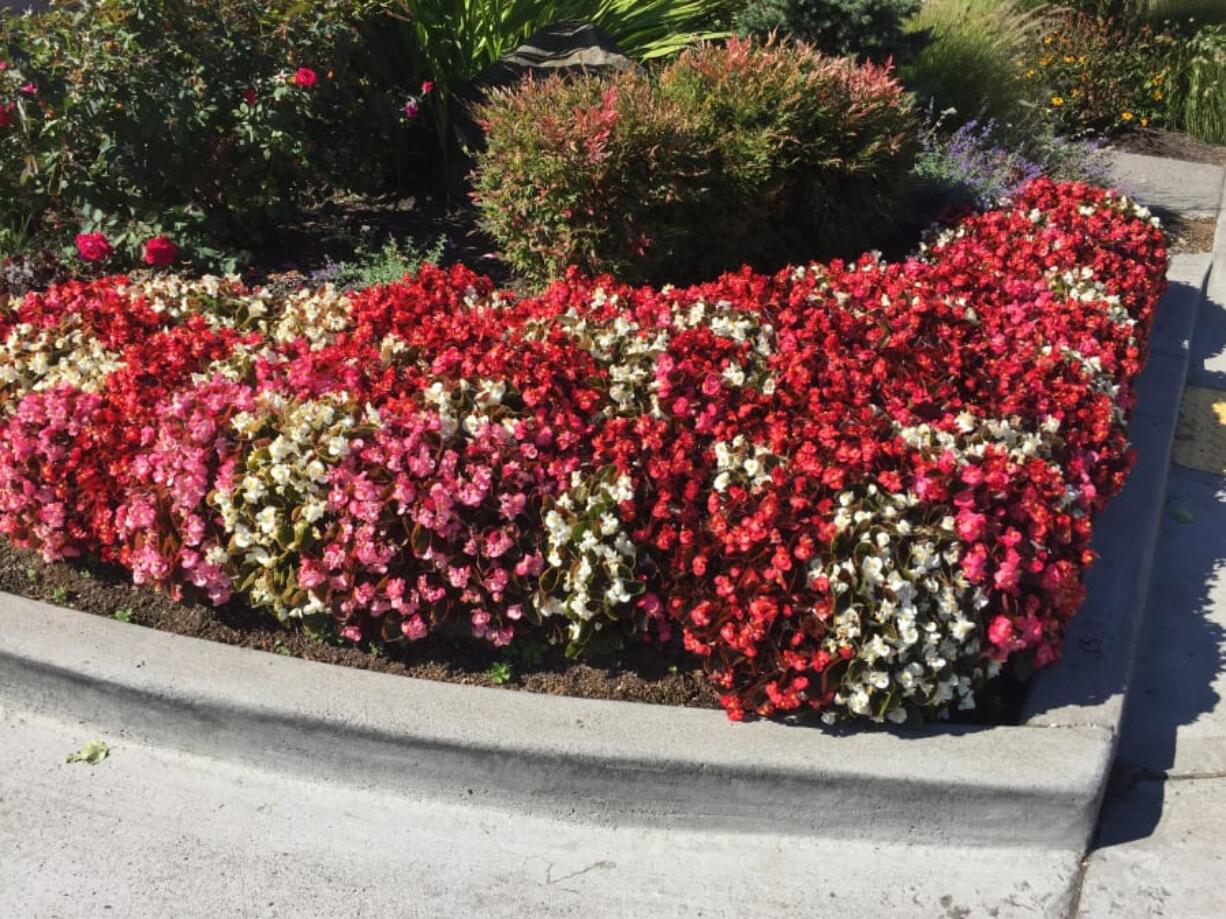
{"type": "Point", "coordinates": [1036, 784]}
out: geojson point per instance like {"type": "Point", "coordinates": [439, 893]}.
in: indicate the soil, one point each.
{"type": "Point", "coordinates": [639, 675]}
{"type": "Point", "coordinates": [655, 674]}
{"type": "Point", "coordinates": [1170, 144]}
{"type": "Point", "coordinates": [1189, 234]}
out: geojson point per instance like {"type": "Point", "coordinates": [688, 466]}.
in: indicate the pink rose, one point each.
{"type": "Point", "coordinates": [160, 251]}
{"type": "Point", "coordinates": [411, 109]}
{"type": "Point", "coordinates": [426, 87]}
{"type": "Point", "coordinates": [305, 78]}
{"type": "Point", "coordinates": [93, 247]}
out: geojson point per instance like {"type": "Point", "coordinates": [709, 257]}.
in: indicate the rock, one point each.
{"type": "Point", "coordinates": [565, 48]}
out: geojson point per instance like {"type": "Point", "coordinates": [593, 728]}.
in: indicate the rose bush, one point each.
{"type": "Point", "coordinates": [857, 487]}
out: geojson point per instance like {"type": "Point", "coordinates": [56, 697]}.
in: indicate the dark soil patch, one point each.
{"type": "Point", "coordinates": [662, 675]}
{"type": "Point", "coordinates": [1170, 144]}
{"type": "Point", "coordinates": [1189, 234]}
{"type": "Point", "coordinates": [644, 674]}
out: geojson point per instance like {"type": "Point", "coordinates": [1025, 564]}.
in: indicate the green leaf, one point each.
{"type": "Point", "coordinates": [1182, 516]}
{"type": "Point", "coordinates": [93, 753]}
{"type": "Point", "coordinates": [124, 614]}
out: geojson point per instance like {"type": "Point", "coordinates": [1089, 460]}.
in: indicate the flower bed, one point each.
{"type": "Point", "coordinates": [856, 488]}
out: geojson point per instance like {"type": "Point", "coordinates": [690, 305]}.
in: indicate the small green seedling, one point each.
{"type": "Point", "coordinates": [500, 673]}
{"type": "Point", "coordinates": [93, 753]}
{"type": "Point", "coordinates": [60, 595]}
{"type": "Point", "coordinates": [31, 573]}
{"type": "Point", "coordinates": [281, 648]}
{"type": "Point", "coordinates": [123, 614]}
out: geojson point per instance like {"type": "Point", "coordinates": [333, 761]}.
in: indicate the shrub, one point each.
{"type": "Point", "coordinates": [782, 151]}
{"type": "Point", "coordinates": [868, 27]}
{"type": "Point", "coordinates": [857, 488]}
{"type": "Point", "coordinates": [1197, 91]}
{"type": "Point", "coordinates": [1099, 75]}
{"type": "Point", "coordinates": [970, 59]}
{"type": "Point", "coordinates": [150, 118]}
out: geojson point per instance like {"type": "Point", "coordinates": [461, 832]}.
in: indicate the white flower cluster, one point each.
{"type": "Point", "coordinates": [631, 355]}
{"type": "Point", "coordinates": [467, 406]}
{"type": "Point", "coordinates": [900, 603]}
{"type": "Point", "coordinates": [589, 558]}
{"type": "Point", "coordinates": [34, 359]}
{"type": "Point", "coordinates": [974, 435]}
{"type": "Point", "coordinates": [738, 461]}
{"type": "Point", "coordinates": [280, 492]}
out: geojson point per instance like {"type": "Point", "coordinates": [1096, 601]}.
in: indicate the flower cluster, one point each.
{"type": "Point", "coordinates": [857, 488]}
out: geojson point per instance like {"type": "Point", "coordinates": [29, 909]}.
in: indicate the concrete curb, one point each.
{"type": "Point", "coordinates": [608, 762]}
{"type": "Point", "coordinates": [1035, 785]}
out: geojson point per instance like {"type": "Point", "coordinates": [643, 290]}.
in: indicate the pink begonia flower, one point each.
{"type": "Point", "coordinates": [1000, 632]}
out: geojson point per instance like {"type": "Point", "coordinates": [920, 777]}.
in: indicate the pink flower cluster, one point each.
{"type": "Point", "coordinates": [857, 488]}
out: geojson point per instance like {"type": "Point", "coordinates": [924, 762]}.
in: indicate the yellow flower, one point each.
{"type": "Point", "coordinates": [1057, 101]}
{"type": "Point", "coordinates": [1145, 122]}
{"type": "Point", "coordinates": [1030, 74]}
{"type": "Point", "coordinates": [1069, 59]}
{"type": "Point", "coordinates": [1082, 59]}
{"type": "Point", "coordinates": [1047, 39]}
{"type": "Point", "coordinates": [1127, 116]}
{"type": "Point", "coordinates": [1157, 94]}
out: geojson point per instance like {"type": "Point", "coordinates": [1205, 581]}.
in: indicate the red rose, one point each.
{"type": "Point", "coordinates": [6, 114]}
{"type": "Point", "coordinates": [160, 251]}
{"type": "Point", "coordinates": [249, 97]}
{"type": "Point", "coordinates": [93, 247]}
{"type": "Point", "coordinates": [426, 87]}
{"type": "Point", "coordinates": [305, 77]}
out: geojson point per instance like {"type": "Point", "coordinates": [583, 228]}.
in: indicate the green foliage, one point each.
{"type": "Point", "coordinates": [448, 42]}
{"type": "Point", "coordinates": [869, 27]}
{"type": "Point", "coordinates": [971, 58]}
{"type": "Point", "coordinates": [500, 673]}
{"type": "Point", "coordinates": [124, 614]}
{"type": "Point", "coordinates": [382, 266]}
{"type": "Point", "coordinates": [1099, 75]}
{"type": "Point", "coordinates": [92, 753]}
{"type": "Point", "coordinates": [180, 117]}
{"type": "Point", "coordinates": [750, 153]}
{"type": "Point", "coordinates": [1197, 101]}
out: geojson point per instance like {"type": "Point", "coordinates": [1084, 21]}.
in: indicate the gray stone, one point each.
{"type": "Point", "coordinates": [565, 48]}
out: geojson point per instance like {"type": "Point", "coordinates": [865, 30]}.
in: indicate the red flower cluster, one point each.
{"type": "Point", "coordinates": [855, 487]}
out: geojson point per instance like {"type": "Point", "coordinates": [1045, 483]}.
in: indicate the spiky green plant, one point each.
{"type": "Point", "coordinates": [1197, 97]}
{"type": "Point", "coordinates": [971, 59]}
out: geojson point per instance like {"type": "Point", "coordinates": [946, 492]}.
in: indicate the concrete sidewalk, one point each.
{"type": "Point", "coordinates": [1160, 850]}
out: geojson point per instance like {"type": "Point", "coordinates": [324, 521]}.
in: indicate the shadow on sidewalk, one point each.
{"type": "Point", "coordinates": [1181, 655]}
